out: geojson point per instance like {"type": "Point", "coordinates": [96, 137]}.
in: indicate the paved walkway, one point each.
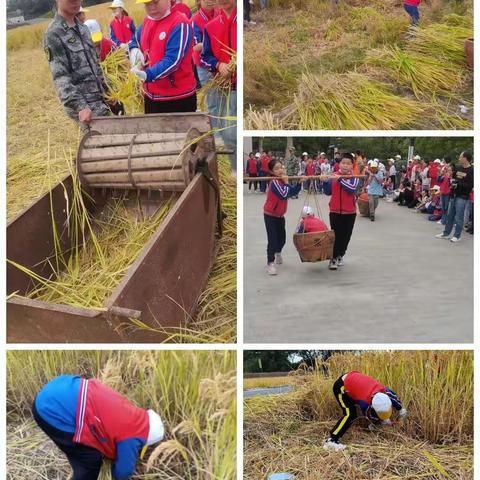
{"type": "Point", "coordinates": [399, 284]}
{"type": "Point", "coordinates": [257, 392]}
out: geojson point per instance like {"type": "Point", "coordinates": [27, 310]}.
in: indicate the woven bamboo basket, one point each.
{"type": "Point", "coordinates": [363, 207]}
{"type": "Point", "coordinates": [315, 246]}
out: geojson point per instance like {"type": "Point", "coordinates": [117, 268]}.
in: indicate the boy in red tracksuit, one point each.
{"type": "Point", "coordinates": [373, 398]}
{"type": "Point", "coordinates": [343, 207]}
{"type": "Point", "coordinates": [252, 171]}
{"type": "Point", "coordinates": [219, 49]}
{"type": "Point", "coordinates": [103, 45]}
{"type": "Point", "coordinates": [310, 223]}
{"type": "Point", "coordinates": [274, 211]}
{"type": "Point", "coordinates": [89, 421]}
{"type": "Point", "coordinates": [264, 170]}
{"type": "Point", "coordinates": [310, 172]}
{"type": "Point", "coordinates": [411, 7]}
{"type": "Point", "coordinates": [206, 12]}
{"type": "Point", "coordinates": [163, 44]}
{"type": "Point", "coordinates": [122, 27]}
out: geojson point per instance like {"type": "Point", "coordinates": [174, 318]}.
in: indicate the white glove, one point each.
{"type": "Point", "coordinates": [136, 57]}
{"type": "Point", "coordinates": [386, 422]}
{"type": "Point", "coordinates": [402, 413]}
{"type": "Point", "coordinates": [139, 73]}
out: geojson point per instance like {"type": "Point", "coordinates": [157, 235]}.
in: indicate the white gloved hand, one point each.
{"type": "Point", "coordinates": [139, 73]}
{"type": "Point", "coordinates": [136, 57]}
{"type": "Point", "coordinates": [402, 413]}
{"type": "Point", "coordinates": [386, 422]}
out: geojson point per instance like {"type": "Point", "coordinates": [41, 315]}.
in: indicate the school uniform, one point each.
{"type": "Point", "coordinates": [356, 389]}
{"type": "Point", "coordinates": [274, 211]}
{"type": "Point", "coordinates": [167, 45]}
{"type": "Point", "coordinates": [264, 172]}
{"type": "Point", "coordinates": [219, 46]}
{"type": "Point", "coordinates": [122, 30]}
{"type": "Point", "coordinates": [252, 172]}
{"type": "Point", "coordinates": [311, 224]}
{"type": "Point", "coordinates": [444, 183]}
{"type": "Point", "coordinates": [343, 211]}
{"type": "Point", "coordinates": [89, 421]}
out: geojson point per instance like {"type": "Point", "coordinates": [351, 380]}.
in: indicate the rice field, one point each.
{"type": "Point", "coordinates": [311, 66]}
{"type": "Point", "coordinates": [285, 433]}
{"type": "Point", "coordinates": [193, 391]}
{"type": "Point", "coordinates": [41, 147]}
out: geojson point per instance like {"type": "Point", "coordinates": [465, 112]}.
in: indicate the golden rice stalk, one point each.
{"type": "Point", "coordinates": [166, 452]}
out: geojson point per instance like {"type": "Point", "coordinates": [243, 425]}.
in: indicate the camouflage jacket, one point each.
{"type": "Point", "coordinates": [292, 165]}
{"type": "Point", "coordinates": [75, 67]}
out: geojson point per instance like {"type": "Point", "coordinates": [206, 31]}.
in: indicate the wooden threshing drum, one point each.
{"type": "Point", "coordinates": [144, 161]}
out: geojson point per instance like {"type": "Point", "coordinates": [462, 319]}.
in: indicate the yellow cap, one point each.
{"type": "Point", "coordinates": [97, 37]}
{"type": "Point", "coordinates": [143, 1]}
{"type": "Point", "coordinates": [83, 10]}
{"type": "Point", "coordinates": [384, 415]}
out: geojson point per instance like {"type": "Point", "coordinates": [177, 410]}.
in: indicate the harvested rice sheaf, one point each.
{"type": "Point", "coordinates": [351, 101]}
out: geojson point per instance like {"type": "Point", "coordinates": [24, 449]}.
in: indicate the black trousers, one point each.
{"type": "Point", "coordinates": [393, 178]}
{"type": "Point", "coordinates": [254, 184]}
{"type": "Point", "coordinates": [348, 409]}
{"type": "Point", "coordinates": [188, 104]}
{"type": "Point", "coordinates": [342, 225]}
{"type": "Point", "coordinates": [276, 235]}
{"type": "Point", "coordinates": [86, 461]}
{"type": "Point", "coordinates": [246, 10]}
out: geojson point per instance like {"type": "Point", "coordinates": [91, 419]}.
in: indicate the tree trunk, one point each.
{"type": "Point", "coordinates": [287, 150]}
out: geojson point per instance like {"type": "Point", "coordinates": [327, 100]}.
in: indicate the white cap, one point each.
{"type": "Point", "coordinates": [95, 30]}
{"type": "Point", "coordinates": [417, 157]}
{"type": "Point", "coordinates": [391, 160]}
{"type": "Point", "coordinates": [398, 157]}
{"type": "Point", "coordinates": [322, 153]}
{"type": "Point", "coordinates": [437, 160]}
{"type": "Point", "coordinates": [374, 164]}
{"type": "Point", "coordinates": [307, 211]}
{"type": "Point", "coordinates": [304, 153]}
{"type": "Point", "coordinates": [382, 404]}
{"type": "Point", "coordinates": [156, 429]}
{"type": "Point", "coordinates": [117, 4]}
{"type": "Point", "coordinates": [257, 155]}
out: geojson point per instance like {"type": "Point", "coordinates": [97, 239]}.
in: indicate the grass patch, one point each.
{"type": "Point", "coordinates": [426, 63]}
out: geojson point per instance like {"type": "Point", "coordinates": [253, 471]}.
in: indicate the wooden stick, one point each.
{"type": "Point", "coordinates": [301, 177]}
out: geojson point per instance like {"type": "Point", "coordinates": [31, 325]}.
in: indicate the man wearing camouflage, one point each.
{"type": "Point", "coordinates": [292, 165]}
{"type": "Point", "coordinates": [74, 64]}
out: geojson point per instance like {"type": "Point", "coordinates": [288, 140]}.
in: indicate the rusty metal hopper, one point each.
{"type": "Point", "coordinates": [162, 287]}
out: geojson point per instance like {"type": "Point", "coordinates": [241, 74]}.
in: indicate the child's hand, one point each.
{"type": "Point", "coordinates": [224, 69]}
{"type": "Point", "coordinates": [285, 178]}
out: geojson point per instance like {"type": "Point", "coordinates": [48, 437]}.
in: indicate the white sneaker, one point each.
{"type": "Point", "coordinates": [278, 258]}
{"type": "Point", "coordinates": [271, 270]}
{"type": "Point", "coordinates": [333, 264]}
{"type": "Point", "coordinates": [340, 262]}
{"type": "Point", "coordinates": [439, 222]}
{"type": "Point", "coordinates": [441, 235]}
{"type": "Point", "coordinates": [331, 445]}
{"type": "Point", "coordinates": [455, 239]}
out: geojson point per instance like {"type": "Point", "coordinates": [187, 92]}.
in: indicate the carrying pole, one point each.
{"type": "Point", "coordinates": [301, 177]}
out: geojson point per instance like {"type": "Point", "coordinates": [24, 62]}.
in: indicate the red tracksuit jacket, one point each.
{"type": "Point", "coordinates": [220, 41]}
{"type": "Point", "coordinates": [343, 195]}
{"type": "Point", "coordinates": [199, 21]}
{"type": "Point", "coordinates": [121, 30]}
{"type": "Point", "coordinates": [167, 45]}
{"type": "Point", "coordinates": [105, 418]}
{"type": "Point", "coordinates": [361, 387]}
